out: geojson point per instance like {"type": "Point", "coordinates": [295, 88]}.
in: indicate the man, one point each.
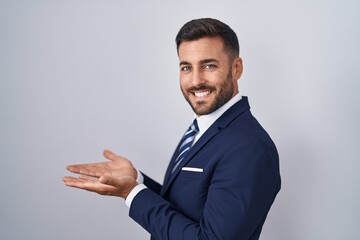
{"type": "Point", "coordinates": [224, 174]}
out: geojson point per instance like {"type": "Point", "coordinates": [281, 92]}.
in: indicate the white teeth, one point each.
{"type": "Point", "coordinates": [201, 94]}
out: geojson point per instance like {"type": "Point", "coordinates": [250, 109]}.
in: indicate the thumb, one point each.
{"type": "Point", "coordinates": [123, 184]}
{"type": "Point", "coordinates": [119, 182]}
{"type": "Point", "coordinates": [113, 156]}
{"type": "Point", "coordinates": [109, 155]}
{"type": "Point", "coordinates": [106, 180]}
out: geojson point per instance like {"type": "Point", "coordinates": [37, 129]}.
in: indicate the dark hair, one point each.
{"type": "Point", "coordinates": [209, 27]}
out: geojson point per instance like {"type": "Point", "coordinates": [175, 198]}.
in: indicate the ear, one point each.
{"type": "Point", "coordinates": [237, 68]}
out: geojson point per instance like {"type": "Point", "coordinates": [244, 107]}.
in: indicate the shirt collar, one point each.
{"type": "Point", "coordinates": [205, 121]}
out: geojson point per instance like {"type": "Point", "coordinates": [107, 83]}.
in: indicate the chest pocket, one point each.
{"type": "Point", "coordinates": [195, 173]}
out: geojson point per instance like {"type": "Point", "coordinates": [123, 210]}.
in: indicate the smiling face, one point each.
{"type": "Point", "coordinates": [208, 75]}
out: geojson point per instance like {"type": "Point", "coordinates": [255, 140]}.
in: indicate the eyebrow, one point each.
{"type": "Point", "coordinates": [207, 60]}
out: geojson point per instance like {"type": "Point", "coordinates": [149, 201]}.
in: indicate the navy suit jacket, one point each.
{"type": "Point", "coordinates": [229, 199]}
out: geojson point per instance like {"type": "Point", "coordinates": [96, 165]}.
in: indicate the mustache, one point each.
{"type": "Point", "coordinates": [201, 87]}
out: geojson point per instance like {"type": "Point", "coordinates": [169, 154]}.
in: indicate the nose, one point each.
{"type": "Point", "coordinates": [197, 77]}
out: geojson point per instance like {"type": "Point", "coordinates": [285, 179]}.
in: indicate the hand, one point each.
{"type": "Point", "coordinates": [114, 178]}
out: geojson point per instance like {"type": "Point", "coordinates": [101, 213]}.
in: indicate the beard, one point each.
{"type": "Point", "coordinates": [223, 93]}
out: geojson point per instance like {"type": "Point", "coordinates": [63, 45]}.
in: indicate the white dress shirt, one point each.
{"type": "Point", "coordinates": [204, 122]}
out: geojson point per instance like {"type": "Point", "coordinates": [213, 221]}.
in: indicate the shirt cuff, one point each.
{"type": "Point", "coordinates": [133, 194]}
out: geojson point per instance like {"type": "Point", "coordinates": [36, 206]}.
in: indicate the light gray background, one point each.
{"type": "Point", "coordinates": [77, 77]}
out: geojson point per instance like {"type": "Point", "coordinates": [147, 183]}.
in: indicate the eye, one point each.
{"type": "Point", "coordinates": [185, 68]}
{"type": "Point", "coordinates": [209, 66]}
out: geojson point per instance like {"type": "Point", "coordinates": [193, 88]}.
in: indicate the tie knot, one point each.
{"type": "Point", "coordinates": [194, 126]}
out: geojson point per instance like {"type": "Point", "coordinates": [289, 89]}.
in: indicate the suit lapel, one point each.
{"type": "Point", "coordinates": [223, 121]}
{"type": "Point", "coordinates": [212, 131]}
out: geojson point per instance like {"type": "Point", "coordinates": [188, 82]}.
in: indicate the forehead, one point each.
{"type": "Point", "coordinates": [203, 48]}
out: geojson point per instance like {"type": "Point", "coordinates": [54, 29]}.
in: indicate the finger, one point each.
{"type": "Point", "coordinates": [79, 168]}
{"type": "Point", "coordinates": [91, 169]}
{"type": "Point", "coordinates": [73, 168]}
{"type": "Point", "coordinates": [92, 186]}
{"type": "Point", "coordinates": [72, 181]}
{"type": "Point", "coordinates": [79, 182]}
{"type": "Point", "coordinates": [88, 178]}
{"type": "Point", "coordinates": [68, 179]}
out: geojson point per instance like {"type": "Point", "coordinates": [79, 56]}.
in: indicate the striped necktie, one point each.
{"type": "Point", "coordinates": [186, 143]}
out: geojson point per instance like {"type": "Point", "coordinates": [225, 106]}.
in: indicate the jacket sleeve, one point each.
{"type": "Point", "coordinates": [151, 184]}
{"type": "Point", "coordinates": [243, 186]}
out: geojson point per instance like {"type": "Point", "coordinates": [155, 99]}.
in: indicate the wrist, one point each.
{"type": "Point", "coordinates": [126, 194]}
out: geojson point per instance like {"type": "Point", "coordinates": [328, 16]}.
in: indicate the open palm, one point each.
{"type": "Point", "coordinates": [115, 178]}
